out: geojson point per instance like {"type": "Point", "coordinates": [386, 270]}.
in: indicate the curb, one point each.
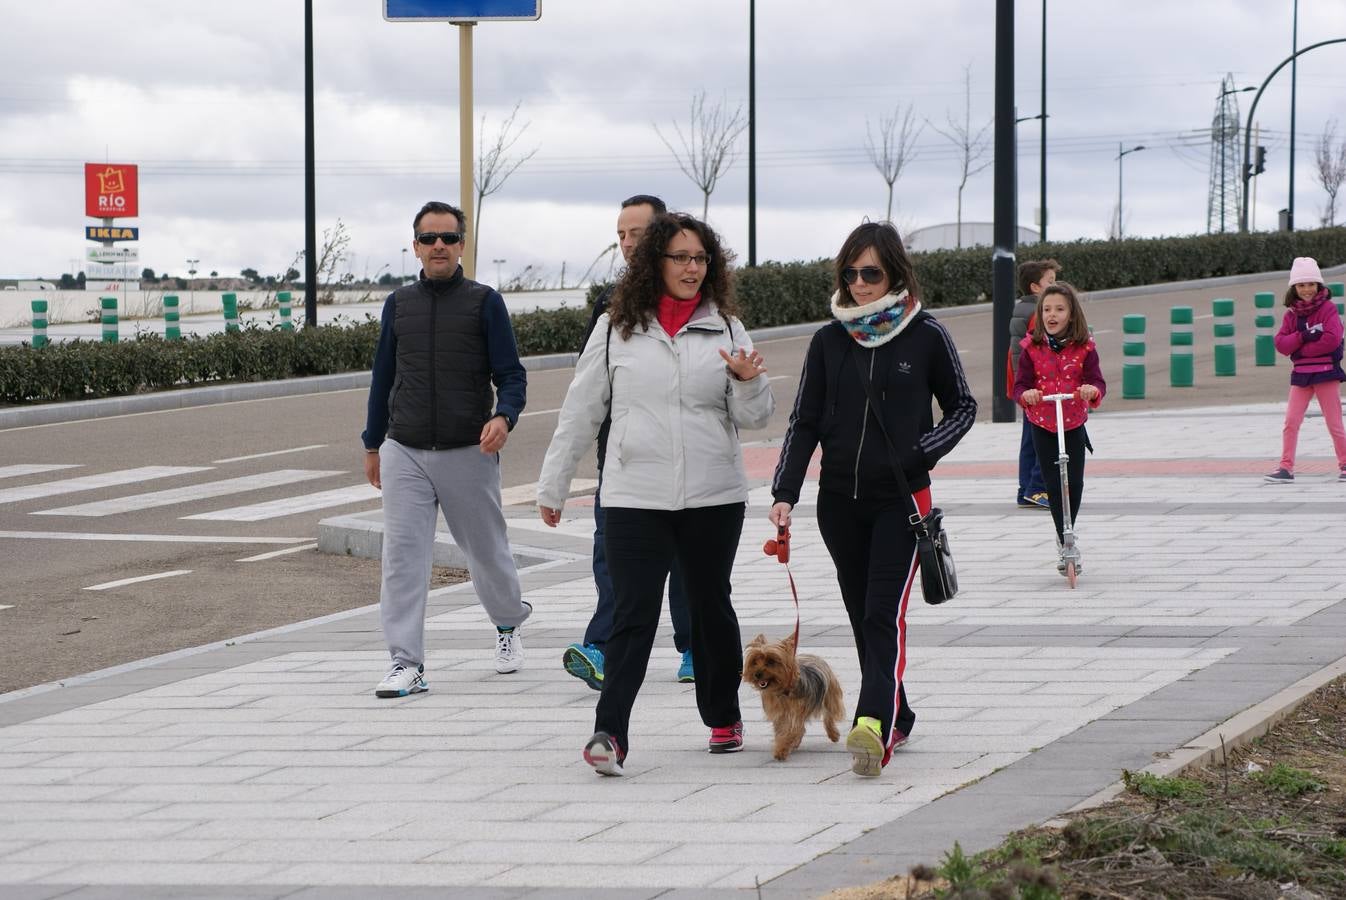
{"type": "Point", "coordinates": [1237, 731]}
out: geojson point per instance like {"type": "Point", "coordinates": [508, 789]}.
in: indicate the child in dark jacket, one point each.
{"type": "Point", "coordinates": [1311, 335]}
{"type": "Point", "coordinates": [1059, 357]}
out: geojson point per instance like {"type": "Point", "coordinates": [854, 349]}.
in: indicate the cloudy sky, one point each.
{"type": "Point", "coordinates": [208, 99]}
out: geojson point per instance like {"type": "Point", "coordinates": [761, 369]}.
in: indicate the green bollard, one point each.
{"type": "Point", "coordinates": [1133, 353]}
{"type": "Point", "coordinates": [109, 305]}
{"type": "Point", "coordinates": [1337, 289]}
{"type": "Point", "coordinates": [283, 298]}
{"type": "Point", "coordinates": [1226, 354]}
{"type": "Point", "coordinates": [1181, 357]}
{"type": "Point", "coordinates": [1264, 344]}
{"type": "Point", "coordinates": [230, 303]}
{"type": "Point", "coordinates": [39, 323]}
{"type": "Point", "coordinates": [172, 328]}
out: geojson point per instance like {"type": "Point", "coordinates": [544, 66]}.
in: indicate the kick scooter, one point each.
{"type": "Point", "coordinates": [1070, 551]}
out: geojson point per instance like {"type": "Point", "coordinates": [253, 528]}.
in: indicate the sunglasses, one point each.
{"type": "Point", "coordinates": [871, 274]}
{"type": "Point", "coordinates": [428, 238]}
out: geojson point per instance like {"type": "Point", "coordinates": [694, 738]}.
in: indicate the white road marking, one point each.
{"type": "Point", "coordinates": [125, 581]}
{"type": "Point", "coordinates": [527, 493]}
{"type": "Point", "coordinates": [268, 453]}
{"type": "Point", "coordinates": [92, 482]}
{"type": "Point", "coordinates": [274, 553]}
{"type": "Point", "coordinates": [540, 412]}
{"type": "Point", "coordinates": [203, 491]}
{"type": "Point", "coordinates": [16, 470]}
{"type": "Point", "coordinates": [289, 506]}
{"type": "Point", "coordinates": [6, 607]}
{"type": "Point", "coordinates": [141, 538]}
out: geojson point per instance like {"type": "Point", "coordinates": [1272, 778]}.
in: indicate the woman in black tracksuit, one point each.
{"type": "Point", "coordinates": [880, 334]}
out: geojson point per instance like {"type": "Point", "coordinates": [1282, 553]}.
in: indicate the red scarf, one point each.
{"type": "Point", "coordinates": [674, 313]}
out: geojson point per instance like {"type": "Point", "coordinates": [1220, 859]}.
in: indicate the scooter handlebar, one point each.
{"type": "Point", "coordinates": [1054, 397]}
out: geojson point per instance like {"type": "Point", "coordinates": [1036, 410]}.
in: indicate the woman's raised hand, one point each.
{"type": "Point", "coordinates": [743, 365]}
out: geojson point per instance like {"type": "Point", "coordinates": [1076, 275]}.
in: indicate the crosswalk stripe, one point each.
{"type": "Point", "coordinates": [16, 470]}
{"type": "Point", "coordinates": [135, 502]}
{"type": "Point", "coordinates": [269, 453]}
{"type": "Point", "coordinates": [274, 509]}
{"type": "Point", "coordinates": [144, 538]}
{"type": "Point", "coordinates": [527, 493]}
{"type": "Point", "coordinates": [92, 482]}
{"type": "Point", "coordinates": [139, 578]}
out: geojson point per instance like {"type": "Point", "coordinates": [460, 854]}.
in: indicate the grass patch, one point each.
{"type": "Point", "coordinates": [1268, 821]}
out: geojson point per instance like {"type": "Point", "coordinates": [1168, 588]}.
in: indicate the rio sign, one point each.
{"type": "Point", "coordinates": [110, 190]}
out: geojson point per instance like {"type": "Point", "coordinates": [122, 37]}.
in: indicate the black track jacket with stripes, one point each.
{"type": "Point", "coordinates": [832, 409]}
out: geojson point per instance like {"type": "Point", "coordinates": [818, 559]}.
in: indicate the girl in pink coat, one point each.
{"type": "Point", "coordinates": [1311, 335]}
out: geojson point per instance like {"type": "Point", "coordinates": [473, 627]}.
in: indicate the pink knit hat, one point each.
{"type": "Point", "coordinates": [1304, 270]}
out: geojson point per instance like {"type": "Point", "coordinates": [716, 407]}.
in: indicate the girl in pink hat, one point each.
{"type": "Point", "coordinates": [1311, 335]}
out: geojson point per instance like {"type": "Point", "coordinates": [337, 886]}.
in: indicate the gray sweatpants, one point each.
{"type": "Point", "coordinates": [465, 484]}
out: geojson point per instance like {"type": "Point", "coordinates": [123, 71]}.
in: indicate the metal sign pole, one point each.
{"type": "Point", "coordinates": [467, 186]}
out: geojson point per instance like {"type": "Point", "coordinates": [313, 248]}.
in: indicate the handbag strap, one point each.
{"type": "Point", "coordinates": [915, 519]}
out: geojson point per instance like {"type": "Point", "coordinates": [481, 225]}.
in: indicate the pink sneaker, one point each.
{"type": "Point", "coordinates": [605, 754]}
{"type": "Point", "coordinates": [728, 739]}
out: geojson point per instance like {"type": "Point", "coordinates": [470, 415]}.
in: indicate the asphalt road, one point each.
{"type": "Point", "coordinates": [56, 547]}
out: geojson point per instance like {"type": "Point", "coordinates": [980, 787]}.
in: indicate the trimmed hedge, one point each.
{"type": "Point", "coordinates": [770, 294]}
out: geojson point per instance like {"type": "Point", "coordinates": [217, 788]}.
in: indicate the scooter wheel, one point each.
{"type": "Point", "coordinates": [1071, 574]}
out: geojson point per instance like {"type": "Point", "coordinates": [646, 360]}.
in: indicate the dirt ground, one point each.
{"type": "Point", "coordinates": [1267, 821]}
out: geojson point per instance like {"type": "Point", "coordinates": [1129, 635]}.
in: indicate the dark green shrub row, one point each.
{"type": "Point", "coordinates": [76, 370]}
{"type": "Point", "coordinates": [770, 294]}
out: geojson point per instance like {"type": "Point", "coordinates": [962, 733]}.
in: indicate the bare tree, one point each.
{"type": "Point", "coordinates": [972, 144]}
{"type": "Point", "coordinates": [1331, 169]}
{"type": "Point", "coordinates": [895, 147]}
{"type": "Point", "coordinates": [708, 146]}
{"type": "Point", "coordinates": [495, 165]}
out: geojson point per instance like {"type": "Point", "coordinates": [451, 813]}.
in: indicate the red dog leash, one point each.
{"type": "Point", "coordinates": [779, 547]}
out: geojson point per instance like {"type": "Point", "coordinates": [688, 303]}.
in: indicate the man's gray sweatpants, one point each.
{"type": "Point", "coordinates": [465, 484]}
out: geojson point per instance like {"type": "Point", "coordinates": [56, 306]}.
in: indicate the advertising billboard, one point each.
{"type": "Point", "coordinates": [110, 190]}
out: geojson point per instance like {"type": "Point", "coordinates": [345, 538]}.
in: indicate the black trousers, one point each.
{"type": "Point", "coordinates": [641, 545]}
{"type": "Point", "coordinates": [875, 555]}
{"type": "Point", "coordinates": [1044, 443]}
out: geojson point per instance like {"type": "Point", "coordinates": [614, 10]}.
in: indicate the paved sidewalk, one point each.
{"type": "Point", "coordinates": [266, 768]}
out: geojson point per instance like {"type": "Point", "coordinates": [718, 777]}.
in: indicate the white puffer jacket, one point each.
{"type": "Point", "coordinates": [676, 411]}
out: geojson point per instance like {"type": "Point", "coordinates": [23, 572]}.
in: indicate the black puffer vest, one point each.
{"type": "Point", "coordinates": [441, 395]}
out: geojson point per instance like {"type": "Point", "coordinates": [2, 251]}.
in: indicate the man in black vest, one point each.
{"type": "Point", "coordinates": [432, 441]}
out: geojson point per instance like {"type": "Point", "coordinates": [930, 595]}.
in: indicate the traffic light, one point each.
{"type": "Point", "coordinates": [1260, 161]}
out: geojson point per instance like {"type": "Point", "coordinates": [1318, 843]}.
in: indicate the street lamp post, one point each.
{"type": "Point", "coordinates": [1042, 150]}
{"type": "Point", "coordinates": [498, 264]}
{"type": "Point", "coordinates": [1121, 153]}
{"type": "Point", "coordinates": [1224, 125]}
{"type": "Point", "coordinates": [191, 284]}
{"type": "Point", "coordinates": [1042, 224]}
{"type": "Point", "coordinates": [404, 266]}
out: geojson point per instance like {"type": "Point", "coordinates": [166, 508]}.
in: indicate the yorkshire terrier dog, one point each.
{"type": "Point", "coordinates": [794, 688]}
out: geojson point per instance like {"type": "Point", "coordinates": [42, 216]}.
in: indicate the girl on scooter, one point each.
{"type": "Point", "coordinates": [1060, 357]}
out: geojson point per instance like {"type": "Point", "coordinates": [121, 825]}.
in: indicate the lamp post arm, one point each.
{"type": "Point", "coordinates": [1247, 131]}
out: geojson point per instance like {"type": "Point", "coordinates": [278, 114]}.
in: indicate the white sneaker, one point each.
{"type": "Point", "coordinates": [401, 681]}
{"type": "Point", "coordinates": [508, 651]}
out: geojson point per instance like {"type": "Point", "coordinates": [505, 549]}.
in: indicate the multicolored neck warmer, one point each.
{"type": "Point", "coordinates": [1306, 307]}
{"type": "Point", "coordinates": [877, 323]}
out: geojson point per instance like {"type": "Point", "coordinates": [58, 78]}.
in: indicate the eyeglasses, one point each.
{"type": "Point", "coordinates": [448, 237]}
{"type": "Point", "coordinates": [871, 274]}
{"type": "Point", "coordinates": [682, 259]}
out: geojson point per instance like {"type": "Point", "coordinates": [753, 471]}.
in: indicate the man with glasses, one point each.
{"type": "Point", "coordinates": [585, 660]}
{"type": "Point", "coordinates": [432, 440]}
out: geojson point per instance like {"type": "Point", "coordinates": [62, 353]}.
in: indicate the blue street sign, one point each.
{"type": "Point", "coordinates": [461, 10]}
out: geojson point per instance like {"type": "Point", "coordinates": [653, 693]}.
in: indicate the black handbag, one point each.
{"type": "Point", "coordinates": [939, 577]}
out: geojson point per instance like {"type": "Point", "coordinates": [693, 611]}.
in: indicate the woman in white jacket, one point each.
{"type": "Point", "coordinates": [679, 376]}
